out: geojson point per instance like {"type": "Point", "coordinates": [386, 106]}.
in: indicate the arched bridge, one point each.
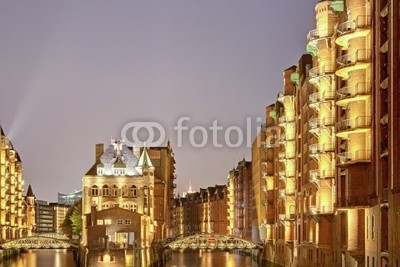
{"type": "Point", "coordinates": [211, 241]}
{"type": "Point", "coordinates": [38, 242]}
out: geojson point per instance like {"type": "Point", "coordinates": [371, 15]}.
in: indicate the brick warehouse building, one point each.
{"type": "Point", "coordinates": [332, 186]}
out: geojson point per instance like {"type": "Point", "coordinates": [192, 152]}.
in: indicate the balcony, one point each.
{"type": "Point", "coordinates": [315, 210]}
{"type": "Point", "coordinates": [356, 92]}
{"type": "Point", "coordinates": [320, 97]}
{"type": "Point", "coordinates": [320, 123]}
{"type": "Point", "coordinates": [316, 175]}
{"type": "Point", "coordinates": [285, 119]}
{"type": "Point", "coordinates": [316, 150]}
{"type": "Point", "coordinates": [354, 61]}
{"type": "Point", "coordinates": [285, 193]}
{"type": "Point", "coordinates": [358, 156]}
{"type": "Point", "coordinates": [319, 72]}
{"type": "Point", "coordinates": [285, 97]}
{"type": "Point", "coordinates": [287, 217]}
{"type": "Point", "coordinates": [354, 201]}
{"type": "Point", "coordinates": [318, 37]}
{"type": "Point", "coordinates": [353, 29]}
{"type": "Point", "coordinates": [356, 125]}
{"type": "Point", "coordinates": [283, 138]}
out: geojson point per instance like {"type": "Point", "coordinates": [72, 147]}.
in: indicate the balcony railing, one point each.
{"type": "Point", "coordinates": [323, 122]}
{"type": "Point", "coordinates": [354, 201]}
{"type": "Point", "coordinates": [282, 95]}
{"type": "Point", "coordinates": [321, 148]}
{"type": "Point", "coordinates": [353, 91]}
{"type": "Point", "coordinates": [287, 217]}
{"type": "Point", "coordinates": [321, 71]}
{"type": "Point", "coordinates": [286, 119]}
{"type": "Point", "coordinates": [321, 174]}
{"type": "Point", "coordinates": [321, 97]}
{"type": "Point", "coordinates": [359, 122]}
{"type": "Point", "coordinates": [357, 156]}
{"type": "Point", "coordinates": [284, 193]}
{"type": "Point", "coordinates": [319, 34]}
{"type": "Point", "coordinates": [361, 22]}
{"type": "Point", "coordinates": [285, 137]}
{"type": "Point", "coordinates": [321, 210]}
{"type": "Point", "coordinates": [360, 56]}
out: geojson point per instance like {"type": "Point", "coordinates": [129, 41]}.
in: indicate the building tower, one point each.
{"type": "Point", "coordinates": [30, 200]}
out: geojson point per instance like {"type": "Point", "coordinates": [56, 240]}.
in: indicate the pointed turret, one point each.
{"type": "Point", "coordinates": [144, 162]}
{"type": "Point", "coordinates": [2, 131]}
{"type": "Point", "coordinates": [29, 193]}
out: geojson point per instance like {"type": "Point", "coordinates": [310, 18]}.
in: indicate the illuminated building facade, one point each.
{"type": "Point", "coordinates": [202, 212]}
{"type": "Point", "coordinates": [117, 190]}
{"type": "Point", "coordinates": [163, 162]}
{"type": "Point", "coordinates": [241, 202]}
{"type": "Point", "coordinates": [336, 180]}
{"type": "Point", "coordinates": [12, 221]}
{"type": "Point", "coordinates": [59, 214]}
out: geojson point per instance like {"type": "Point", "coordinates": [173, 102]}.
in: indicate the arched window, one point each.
{"type": "Point", "coordinates": [133, 191]}
{"type": "Point", "coordinates": [133, 207]}
{"type": "Point", "coordinates": [95, 191]}
{"type": "Point", "coordinates": [125, 192]}
{"type": "Point", "coordinates": [114, 191]}
{"type": "Point", "coordinates": [106, 191]}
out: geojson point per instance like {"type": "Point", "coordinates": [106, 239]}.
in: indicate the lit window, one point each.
{"type": "Point", "coordinates": [107, 221]}
{"type": "Point", "coordinates": [120, 221]}
{"type": "Point", "coordinates": [125, 191]}
{"type": "Point", "coordinates": [95, 190]}
{"type": "Point", "coordinates": [133, 191]}
{"type": "Point", "coordinates": [99, 222]}
{"type": "Point", "coordinates": [127, 222]}
{"type": "Point", "coordinates": [114, 191]}
{"type": "Point", "coordinates": [105, 191]}
{"type": "Point", "coordinates": [133, 207]}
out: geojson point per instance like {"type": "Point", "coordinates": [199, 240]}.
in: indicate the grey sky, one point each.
{"type": "Point", "coordinates": [74, 72]}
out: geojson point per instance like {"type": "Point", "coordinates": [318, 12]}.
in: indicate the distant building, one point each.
{"type": "Point", "coordinates": [202, 212]}
{"type": "Point", "coordinates": [44, 217]}
{"type": "Point", "coordinates": [59, 215]}
{"type": "Point", "coordinates": [12, 220]}
{"type": "Point", "coordinates": [70, 198]}
{"type": "Point", "coordinates": [241, 201]}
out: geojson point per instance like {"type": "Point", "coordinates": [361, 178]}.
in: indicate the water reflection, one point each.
{"type": "Point", "coordinates": [41, 258]}
{"type": "Point", "coordinates": [194, 258]}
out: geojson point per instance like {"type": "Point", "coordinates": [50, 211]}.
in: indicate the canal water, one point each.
{"type": "Point", "coordinates": [194, 258]}
{"type": "Point", "coordinates": [43, 258]}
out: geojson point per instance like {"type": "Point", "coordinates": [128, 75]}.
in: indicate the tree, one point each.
{"type": "Point", "coordinates": [72, 224]}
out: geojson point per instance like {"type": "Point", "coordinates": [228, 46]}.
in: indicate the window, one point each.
{"type": "Point", "coordinates": [105, 206]}
{"type": "Point", "coordinates": [105, 191]}
{"type": "Point", "coordinates": [107, 221]}
{"type": "Point", "coordinates": [119, 221]}
{"type": "Point", "coordinates": [125, 191]}
{"type": "Point", "coordinates": [100, 222]}
{"type": "Point", "coordinates": [133, 191]}
{"type": "Point", "coordinates": [114, 191]}
{"type": "Point", "coordinates": [133, 207]}
{"type": "Point", "coordinates": [373, 227]}
{"type": "Point", "coordinates": [95, 191]}
{"type": "Point", "coordinates": [127, 222]}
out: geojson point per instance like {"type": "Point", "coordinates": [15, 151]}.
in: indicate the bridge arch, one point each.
{"type": "Point", "coordinates": [211, 241]}
{"type": "Point", "coordinates": [37, 242]}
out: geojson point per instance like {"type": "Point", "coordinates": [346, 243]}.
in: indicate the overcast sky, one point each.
{"type": "Point", "coordinates": [73, 73]}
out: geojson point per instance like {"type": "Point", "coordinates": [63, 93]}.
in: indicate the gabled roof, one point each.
{"type": "Point", "coordinates": [29, 193]}
{"type": "Point", "coordinates": [144, 160]}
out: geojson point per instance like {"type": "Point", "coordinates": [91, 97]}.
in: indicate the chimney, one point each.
{"type": "Point", "coordinates": [99, 151]}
